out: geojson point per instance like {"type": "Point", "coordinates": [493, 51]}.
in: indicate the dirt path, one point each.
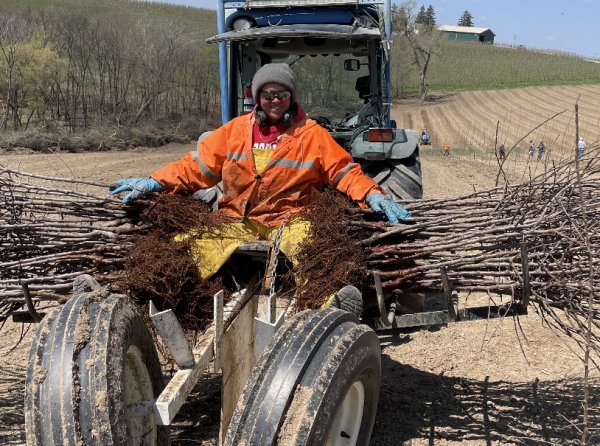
{"type": "Point", "coordinates": [474, 383]}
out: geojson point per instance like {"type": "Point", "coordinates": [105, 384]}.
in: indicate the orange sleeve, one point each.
{"type": "Point", "coordinates": [200, 168]}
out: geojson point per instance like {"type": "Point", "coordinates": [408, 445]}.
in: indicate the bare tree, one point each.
{"type": "Point", "coordinates": [14, 33]}
{"type": "Point", "coordinates": [115, 51]}
{"type": "Point", "coordinates": [157, 61]}
{"type": "Point", "coordinates": [424, 41]}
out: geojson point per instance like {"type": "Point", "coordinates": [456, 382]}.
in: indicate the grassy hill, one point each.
{"type": "Point", "coordinates": [462, 66]}
{"type": "Point", "coordinates": [195, 20]}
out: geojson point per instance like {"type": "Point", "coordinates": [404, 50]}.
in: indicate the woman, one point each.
{"type": "Point", "coordinates": [269, 161]}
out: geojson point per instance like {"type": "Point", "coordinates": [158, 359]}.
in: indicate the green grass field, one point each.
{"type": "Point", "coordinates": [462, 66]}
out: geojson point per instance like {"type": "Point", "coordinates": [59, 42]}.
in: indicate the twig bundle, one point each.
{"type": "Point", "coordinates": [512, 240]}
{"type": "Point", "coordinates": [51, 232]}
{"type": "Point", "coordinates": [497, 241]}
{"type": "Point", "coordinates": [520, 240]}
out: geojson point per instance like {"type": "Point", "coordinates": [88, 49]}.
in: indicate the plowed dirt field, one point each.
{"type": "Point", "coordinates": [483, 382]}
{"type": "Point", "coordinates": [481, 120]}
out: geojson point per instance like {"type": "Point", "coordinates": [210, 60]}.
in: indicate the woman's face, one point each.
{"type": "Point", "coordinates": [275, 100]}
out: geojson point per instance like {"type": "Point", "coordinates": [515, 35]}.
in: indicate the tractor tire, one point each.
{"type": "Point", "coordinates": [317, 382]}
{"type": "Point", "coordinates": [91, 365]}
{"type": "Point", "coordinates": [401, 178]}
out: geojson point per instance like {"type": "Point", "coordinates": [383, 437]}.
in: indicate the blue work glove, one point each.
{"type": "Point", "coordinates": [137, 186]}
{"type": "Point", "coordinates": [394, 212]}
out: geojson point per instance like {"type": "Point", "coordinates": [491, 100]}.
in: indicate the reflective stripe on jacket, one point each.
{"type": "Point", "coordinates": [306, 158]}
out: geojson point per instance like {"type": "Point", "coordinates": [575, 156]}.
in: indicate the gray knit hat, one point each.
{"type": "Point", "coordinates": [280, 73]}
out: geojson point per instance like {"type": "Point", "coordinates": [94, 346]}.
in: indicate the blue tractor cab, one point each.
{"type": "Point", "coordinates": [340, 51]}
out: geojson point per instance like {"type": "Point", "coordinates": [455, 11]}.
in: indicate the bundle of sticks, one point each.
{"type": "Point", "coordinates": [538, 238]}
{"type": "Point", "coordinates": [53, 230]}
{"type": "Point", "coordinates": [536, 241]}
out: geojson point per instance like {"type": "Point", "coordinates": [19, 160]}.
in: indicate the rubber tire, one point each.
{"type": "Point", "coordinates": [354, 356]}
{"type": "Point", "coordinates": [401, 178]}
{"type": "Point", "coordinates": [348, 298]}
{"type": "Point", "coordinates": [316, 347]}
{"type": "Point", "coordinates": [75, 388]}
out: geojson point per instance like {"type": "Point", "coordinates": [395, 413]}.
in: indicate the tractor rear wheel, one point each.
{"type": "Point", "coordinates": [92, 376]}
{"type": "Point", "coordinates": [401, 178]}
{"type": "Point", "coordinates": [317, 383]}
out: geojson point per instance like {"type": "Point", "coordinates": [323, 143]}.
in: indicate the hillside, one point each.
{"type": "Point", "coordinates": [460, 66]}
{"type": "Point", "coordinates": [195, 20]}
{"type": "Point", "coordinates": [143, 73]}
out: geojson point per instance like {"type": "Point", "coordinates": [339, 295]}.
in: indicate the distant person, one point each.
{"type": "Point", "coordinates": [541, 150]}
{"type": "Point", "coordinates": [424, 137]}
{"type": "Point", "coordinates": [581, 146]}
{"type": "Point", "coordinates": [531, 148]}
{"type": "Point", "coordinates": [446, 149]}
{"type": "Point", "coordinates": [501, 152]}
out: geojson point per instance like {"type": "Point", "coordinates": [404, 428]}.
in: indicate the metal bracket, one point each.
{"type": "Point", "coordinates": [451, 296]}
{"type": "Point", "coordinates": [172, 334]}
{"type": "Point", "coordinates": [264, 331]}
{"type": "Point", "coordinates": [433, 318]}
{"type": "Point", "coordinates": [522, 306]}
{"type": "Point", "coordinates": [386, 318]}
{"type": "Point", "coordinates": [30, 307]}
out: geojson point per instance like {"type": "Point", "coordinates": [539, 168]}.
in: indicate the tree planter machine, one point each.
{"type": "Point", "coordinates": [311, 378]}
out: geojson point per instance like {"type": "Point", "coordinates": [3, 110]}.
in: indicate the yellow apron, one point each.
{"type": "Point", "coordinates": [215, 246]}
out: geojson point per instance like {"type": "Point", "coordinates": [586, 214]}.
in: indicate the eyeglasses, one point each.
{"type": "Point", "coordinates": [283, 95]}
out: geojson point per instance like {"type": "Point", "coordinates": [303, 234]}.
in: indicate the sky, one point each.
{"type": "Point", "coordinates": [565, 25]}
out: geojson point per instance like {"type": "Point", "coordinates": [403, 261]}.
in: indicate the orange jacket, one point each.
{"type": "Point", "coordinates": [306, 158]}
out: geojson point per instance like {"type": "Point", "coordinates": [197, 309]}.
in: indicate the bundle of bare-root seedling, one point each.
{"type": "Point", "coordinates": [55, 229]}
{"type": "Point", "coordinates": [536, 241]}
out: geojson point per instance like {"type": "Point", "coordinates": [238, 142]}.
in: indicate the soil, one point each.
{"type": "Point", "coordinates": [485, 382]}
{"type": "Point", "coordinates": [482, 120]}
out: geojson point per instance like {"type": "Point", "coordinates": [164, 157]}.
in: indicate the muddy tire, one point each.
{"type": "Point", "coordinates": [401, 178]}
{"type": "Point", "coordinates": [89, 365]}
{"type": "Point", "coordinates": [317, 381]}
{"type": "Point", "coordinates": [348, 298]}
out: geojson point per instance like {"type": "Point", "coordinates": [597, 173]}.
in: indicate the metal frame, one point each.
{"type": "Point", "coordinates": [388, 320]}
{"type": "Point", "coordinates": [239, 333]}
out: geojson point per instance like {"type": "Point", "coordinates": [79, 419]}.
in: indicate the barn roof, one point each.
{"type": "Point", "coordinates": [464, 29]}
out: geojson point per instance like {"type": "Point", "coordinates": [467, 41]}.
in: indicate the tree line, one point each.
{"type": "Point", "coordinates": [76, 71]}
{"type": "Point", "coordinates": [69, 70]}
{"type": "Point", "coordinates": [426, 16]}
